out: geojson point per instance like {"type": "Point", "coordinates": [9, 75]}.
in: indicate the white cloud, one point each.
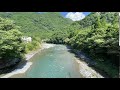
{"type": "Point", "coordinates": [75, 16]}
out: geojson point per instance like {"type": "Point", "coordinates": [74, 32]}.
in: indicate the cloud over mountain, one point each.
{"type": "Point", "coordinates": [76, 16]}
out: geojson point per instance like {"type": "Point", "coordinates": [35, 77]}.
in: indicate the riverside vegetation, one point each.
{"type": "Point", "coordinates": [97, 35]}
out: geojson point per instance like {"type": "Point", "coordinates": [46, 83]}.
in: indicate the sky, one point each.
{"type": "Point", "coordinates": [75, 16]}
{"type": "Point", "coordinates": [65, 13]}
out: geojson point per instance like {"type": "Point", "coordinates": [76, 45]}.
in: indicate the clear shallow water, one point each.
{"type": "Point", "coordinates": [55, 62]}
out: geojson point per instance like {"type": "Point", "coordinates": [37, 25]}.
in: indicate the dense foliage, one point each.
{"type": "Point", "coordinates": [11, 46]}
{"type": "Point", "coordinates": [62, 37]}
{"type": "Point", "coordinates": [99, 38]}
{"type": "Point", "coordinates": [35, 44]}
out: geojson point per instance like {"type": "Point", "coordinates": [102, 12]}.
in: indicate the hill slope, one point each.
{"type": "Point", "coordinates": [91, 19]}
{"type": "Point", "coordinates": [33, 23]}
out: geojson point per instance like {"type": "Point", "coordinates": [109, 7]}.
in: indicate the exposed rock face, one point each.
{"type": "Point", "coordinates": [9, 63]}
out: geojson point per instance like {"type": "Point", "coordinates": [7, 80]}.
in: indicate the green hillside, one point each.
{"type": "Point", "coordinates": [90, 20]}
{"type": "Point", "coordinates": [33, 23]}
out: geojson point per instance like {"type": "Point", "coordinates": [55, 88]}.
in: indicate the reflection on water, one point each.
{"type": "Point", "coordinates": [55, 62]}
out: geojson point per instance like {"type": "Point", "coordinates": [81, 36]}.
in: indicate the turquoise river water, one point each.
{"type": "Point", "coordinates": [55, 62]}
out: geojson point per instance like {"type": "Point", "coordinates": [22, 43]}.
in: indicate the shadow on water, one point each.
{"type": "Point", "coordinates": [91, 63]}
{"type": "Point", "coordinates": [18, 65]}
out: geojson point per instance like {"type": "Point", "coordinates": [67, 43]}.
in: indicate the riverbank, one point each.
{"type": "Point", "coordinates": [84, 65]}
{"type": "Point", "coordinates": [23, 67]}
{"type": "Point", "coordinates": [106, 69]}
{"type": "Point", "coordinates": [43, 46]}
{"type": "Point", "coordinates": [86, 71]}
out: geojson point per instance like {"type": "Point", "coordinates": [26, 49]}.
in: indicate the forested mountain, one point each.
{"type": "Point", "coordinates": [97, 34]}
{"type": "Point", "coordinates": [90, 20]}
{"type": "Point", "coordinates": [41, 25]}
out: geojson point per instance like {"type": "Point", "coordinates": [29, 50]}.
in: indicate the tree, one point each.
{"type": "Point", "coordinates": [98, 23]}
{"type": "Point", "coordinates": [11, 46]}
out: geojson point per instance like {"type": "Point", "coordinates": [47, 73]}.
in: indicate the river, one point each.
{"type": "Point", "coordinates": [54, 62]}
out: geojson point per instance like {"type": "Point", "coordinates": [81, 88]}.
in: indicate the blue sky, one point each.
{"type": "Point", "coordinates": [65, 13]}
{"type": "Point", "coordinates": [75, 16]}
